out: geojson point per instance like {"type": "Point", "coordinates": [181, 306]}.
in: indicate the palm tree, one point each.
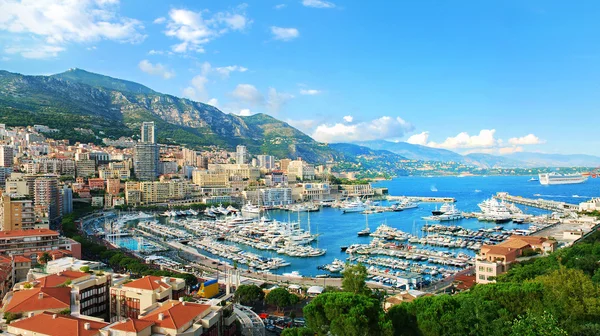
{"type": "Point", "coordinates": [45, 258]}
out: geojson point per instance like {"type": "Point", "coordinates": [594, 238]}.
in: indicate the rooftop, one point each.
{"type": "Point", "coordinates": [131, 325]}
{"type": "Point", "coordinates": [59, 325]}
{"type": "Point", "coordinates": [175, 314]}
{"type": "Point", "coordinates": [27, 233]}
{"type": "Point", "coordinates": [43, 298]}
{"type": "Point", "coordinates": [150, 282]}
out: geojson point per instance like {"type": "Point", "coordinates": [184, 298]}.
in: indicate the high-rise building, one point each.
{"type": "Point", "coordinates": [6, 156]}
{"type": "Point", "coordinates": [16, 213]}
{"type": "Point", "coordinates": [146, 161]}
{"type": "Point", "coordinates": [47, 198]}
{"type": "Point", "coordinates": [148, 135]}
{"type": "Point", "coordinates": [86, 168]}
{"type": "Point", "coordinates": [266, 161]}
{"type": "Point", "coordinates": [66, 195]}
{"type": "Point", "coordinates": [241, 154]}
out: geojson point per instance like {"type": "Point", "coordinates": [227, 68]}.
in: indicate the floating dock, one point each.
{"type": "Point", "coordinates": [539, 203]}
{"type": "Point", "coordinates": [423, 199]}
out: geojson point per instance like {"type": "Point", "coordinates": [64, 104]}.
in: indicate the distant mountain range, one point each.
{"type": "Point", "coordinates": [515, 160]}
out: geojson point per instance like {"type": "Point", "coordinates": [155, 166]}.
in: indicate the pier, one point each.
{"type": "Point", "coordinates": [425, 199]}
{"type": "Point", "coordinates": [537, 203]}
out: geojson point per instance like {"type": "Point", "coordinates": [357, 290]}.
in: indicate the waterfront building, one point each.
{"type": "Point", "coordinates": [145, 161]}
{"type": "Point", "coordinates": [147, 132]}
{"type": "Point", "coordinates": [275, 196]}
{"type": "Point", "coordinates": [276, 178]}
{"type": "Point", "coordinates": [6, 156]}
{"type": "Point", "coordinates": [16, 213]}
{"type": "Point", "coordinates": [129, 300]}
{"type": "Point", "coordinates": [241, 154]}
{"type": "Point", "coordinates": [494, 260]}
{"type": "Point", "coordinates": [210, 179]}
{"type": "Point", "coordinates": [47, 198]}
{"type": "Point", "coordinates": [315, 191]}
{"type": "Point", "coordinates": [356, 190]}
{"type": "Point", "coordinates": [157, 192]}
{"type": "Point", "coordinates": [300, 170]}
{"type": "Point", "coordinates": [266, 161]}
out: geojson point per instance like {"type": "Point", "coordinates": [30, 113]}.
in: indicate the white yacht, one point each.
{"type": "Point", "coordinates": [407, 204]}
{"type": "Point", "coordinates": [495, 211]}
{"type": "Point", "coordinates": [444, 208]}
{"type": "Point", "coordinates": [450, 215]}
{"type": "Point", "coordinates": [354, 206]}
{"type": "Point", "coordinates": [250, 209]}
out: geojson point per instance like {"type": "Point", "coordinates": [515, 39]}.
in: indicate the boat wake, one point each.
{"type": "Point", "coordinates": [433, 188]}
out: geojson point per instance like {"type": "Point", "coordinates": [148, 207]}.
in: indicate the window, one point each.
{"type": "Point", "coordinates": [481, 277]}
{"type": "Point", "coordinates": [489, 269]}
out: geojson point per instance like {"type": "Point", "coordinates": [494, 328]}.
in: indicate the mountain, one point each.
{"type": "Point", "coordinates": [492, 161]}
{"type": "Point", "coordinates": [373, 162]}
{"type": "Point", "coordinates": [111, 107]}
{"type": "Point", "coordinates": [414, 152]}
{"type": "Point", "coordinates": [556, 160]}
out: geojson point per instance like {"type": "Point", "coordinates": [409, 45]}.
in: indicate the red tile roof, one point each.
{"type": "Point", "coordinates": [59, 325]}
{"type": "Point", "coordinates": [29, 300]}
{"type": "Point", "coordinates": [176, 314]}
{"type": "Point", "coordinates": [58, 279]}
{"type": "Point", "coordinates": [27, 233]}
{"type": "Point", "coordinates": [131, 325]}
{"type": "Point", "coordinates": [149, 282]}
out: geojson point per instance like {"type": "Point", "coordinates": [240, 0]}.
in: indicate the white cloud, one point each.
{"type": "Point", "coordinates": [245, 112]}
{"type": "Point", "coordinates": [197, 90]}
{"type": "Point", "coordinates": [309, 92]}
{"type": "Point", "coordinates": [280, 6]}
{"type": "Point", "coordinates": [58, 22]}
{"type": "Point", "coordinates": [155, 69]}
{"type": "Point", "coordinates": [348, 118]}
{"type": "Point", "coordinates": [284, 34]}
{"type": "Point", "coordinates": [194, 29]}
{"type": "Point", "coordinates": [318, 4]}
{"type": "Point", "coordinates": [276, 100]}
{"type": "Point", "coordinates": [529, 139]}
{"type": "Point", "coordinates": [160, 20]}
{"type": "Point", "coordinates": [91, 48]}
{"type": "Point", "coordinates": [510, 150]}
{"type": "Point", "coordinates": [155, 52]}
{"type": "Point", "coordinates": [382, 128]}
{"type": "Point", "coordinates": [214, 102]}
{"type": "Point", "coordinates": [484, 139]}
{"type": "Point", "coordinates": [38, 52]}
{"type": "Point", "coordinates": [225, 71]}
{"type": "Point", "coordinates": [304, 125]}
{"type": "Point", "coordinates": [248, 93]}
{"type": "Point", "coordinates": [419, 139]}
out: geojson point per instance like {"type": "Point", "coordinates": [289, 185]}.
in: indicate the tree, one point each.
{"type": "Point", "coordinates": [85, 269]}
{"type": "Point", "coordinates": [281, 298]}
{"type": "Point", "coordinates": [346, 314]}
{"type": "Point", "coordinates": [297, 332]}
{"type": "Point", "coordinates": [249, 294]}
{"type": "Point", "coordinates": [354, 280]}
{"type": "Point", "coordinates": [45, 258]}
{"type": "Point", "coordinates": [537, 325]}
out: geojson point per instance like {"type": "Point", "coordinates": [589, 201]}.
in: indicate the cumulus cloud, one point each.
{"type": "Point", "coordinates": [309, 92]}
{"type": "Point", "coordinates": [248, 93]}
{"type": "Point", "coordinates": [197, 89]}
{"type": "Point", "coordinates": [276, 100]}
{"type": "Point", "coordinates": [484, 139]}
{"type": "Point", "coordinates": [419, 139]}
{"type": "Point", "coordinates": [284, 34]}
{"type": "Point", "coordinates": [348, 118]}
{"type": "Point", "coordinates": [213, 101]}
{"type": "Point", "coordinates": [510, 150]}
{"type": "Point", "coordinates": [225, 71]}
{"type": "Point", "coordinates": [156, 69]}
{"type": "Point", "coordinates": [382, 128]}
{"type": "Point", "coordinates": [529, 139]}
{"type": "Point", "coordinates": [160, 20]}
{"type": "Point", "coordinates": [245, 112]}
{"type": "Point", "coordinates": [195, 29]}
{"type": "Point", "coordinates": [280, 6]}
{"type": "Point", "coordinates": [318, 4]}
{"type": "Point", "coordinates": [59, 22]}
{"type": "Point", "coordinates": [305, 125]}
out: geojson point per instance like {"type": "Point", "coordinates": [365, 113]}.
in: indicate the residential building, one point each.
{"type": "Point", "coordinates": [122, 174]}
{"type": "Point", "coordinates": [85, 168]}
{"type": "Point", "coordinates": [241, 154]}
{"type": "Point", "coordinates": [157, 192]}
{"type": "Point", "coordinates": [242, 171]}
{"type": "Point", "coordinates": [145, 161]}
{"type": "Point", "coordinates": [266, 161]}
{"type": "Point", "coordinates": [21, 242]}
{"type": "Point", "coordinates": [210, 179]}
{"type": "Point", "coordinates": [184, 318]}
{"type": "Point", "coordinates": [356, 190]}
{"type": "Point", "coordinates": [113, 186]}
{"type": "Point", "coordinates": [130, 299]}
{"type": "Point", "coordinates": [16, 213]}
{"type": "Point", "coordinates": [133, 195]}
{"type": "Point", "coordinates": [168, 167]}
{"type": "Point", "coordinates": [147, 132]}
{"type": "Point", "coordinates": [283, 164]}
{"type": "Point", "coordinates": [96, 183]}
{"type": "Point", "coordinates": [189, 157]}
{"type": "Point", "coordinates": [66, 195]}
{"type": "Point", "coordinates": [300, 170]}
{"type": "Point", "coordinates": [315, 191]}
{"type": "Point", "coordinates": [275, 196]}
{"type": "Point", "coordinates": [6, 156]}
{"type": "Point", "coordinates": [20, 184]}
{"type": "Point", "coordinates": [276, 178]}
{"type": "Point", "coordinates": [494, 260]}
{"type": "Point", "coordinates": [47, 198]}
{"type": "Point", "coordinates": [52, 324]}
{"type": "Point", "coordinates": [4, 174]}
{"type": "Point", "coordinates": [37, 300]}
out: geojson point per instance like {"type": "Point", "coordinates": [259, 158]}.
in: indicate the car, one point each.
{"type": "Point", "coordinates": [263, 316]}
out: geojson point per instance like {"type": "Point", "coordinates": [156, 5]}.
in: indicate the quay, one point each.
{"type": "Point", "coordinates": [425, 199]}
{"type": "Point", "coordinates": [537, 203]}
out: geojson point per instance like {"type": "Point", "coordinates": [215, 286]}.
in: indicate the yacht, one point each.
{"type": "Point", "coordinates": [250, 209]}
{"type": "Point", "coordinates": [406, 204]}
{"type": "Point", "coordinates": [354, 206]}
{"type": "Point", "coordinates": [555, 178]}
{"type": "Point", "coordinates": [450, 215]}
{"type": "Point", "coordinates": [496, 211]}
{"type": "Point", "coordinates": [366, 231]}
{"type": "Point", "coordinates": [444, 208]}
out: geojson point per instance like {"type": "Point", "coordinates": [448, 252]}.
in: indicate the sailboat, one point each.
{"type": "Point", "coordinates": [366, 231]}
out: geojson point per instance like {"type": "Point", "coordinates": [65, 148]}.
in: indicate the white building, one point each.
{"type": "Point", "coordinates": [241, 155]}
{"type": "Point", "coordinates": [275, 196]}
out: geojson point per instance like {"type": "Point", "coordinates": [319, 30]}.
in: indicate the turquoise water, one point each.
{"type": "Point", "coordinates": [337, 229]}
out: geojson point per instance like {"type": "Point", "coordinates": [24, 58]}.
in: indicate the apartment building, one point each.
{"type": "Point", "coordinates": [20, 184]}
{"type": "Point", "coordinates": [244, 171]}
{"type": "Point", "coordinates": [85, 168]}
{"type": "Point", "coordinates": [51, 324]}
{"type": "Point", "coordinates": [6, 156]}
{"type": "Point", "coordinates": [146, 160]}
{"type": "Point", "coordinates": [130, 299]}
{"type": "Point", "coordinates": [47, 198]}
{"type": "Point", "coordinates": [315, 191]}
{"type": "Point", "coordinates": [107, 173]}
{"type": "Point", "coordinates": [275, 196]}
{"type": "Point", "coordinates": [300, 170]}
{"type": "Point", "coordinates": [210, 179]}
{"type": "Point", "coordinates": [16, 212]}
{"type": "Point", "coordinates": [133, 195]}
{"type": "Point", "coordinates": [20, 242]}
{"type": "Point", "coordinates": [494, 260]}
{"type": "Point", "coordinates": [113, 186]}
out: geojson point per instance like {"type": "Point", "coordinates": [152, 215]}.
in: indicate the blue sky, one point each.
{"type": "Point", "coordinates": [470, 76]}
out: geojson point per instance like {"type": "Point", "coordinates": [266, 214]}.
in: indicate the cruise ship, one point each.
{"type": "Point", "coordinates": [554, 178]}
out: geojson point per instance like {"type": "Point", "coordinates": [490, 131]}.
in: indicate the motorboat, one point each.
{"type": "Point", "coordinates": [444, 208]}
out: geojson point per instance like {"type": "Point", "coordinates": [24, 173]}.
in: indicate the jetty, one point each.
{"type": "Point", "coordinates": [537, 203]}
{"type": "Point", "coordinates": [425, 199]}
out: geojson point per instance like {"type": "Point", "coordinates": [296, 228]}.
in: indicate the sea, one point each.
{"type": "Point", "coordinates": [337, 229]}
